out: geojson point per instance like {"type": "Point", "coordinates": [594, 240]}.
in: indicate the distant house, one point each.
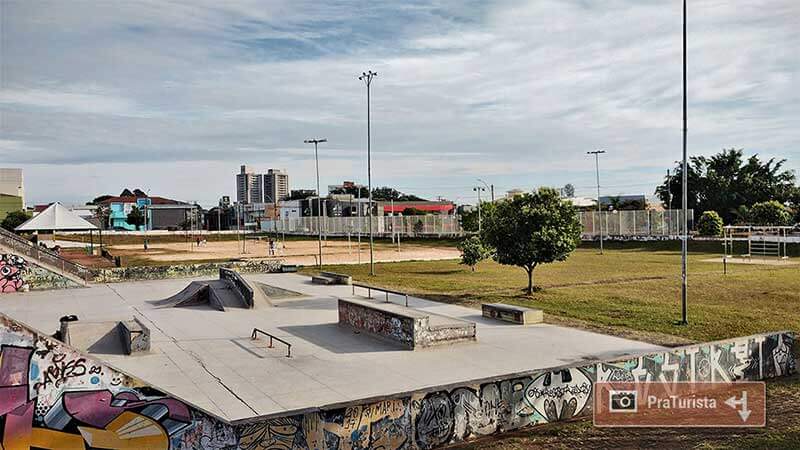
{"type": "Point", "coordinates": [162, 213]}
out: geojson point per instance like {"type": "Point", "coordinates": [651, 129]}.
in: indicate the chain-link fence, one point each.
{"type": "Point", "coordinates": [408, 226]}
{"type": "Point", "coordinates": [612, 223]}
{"type": "Point", "coordinates": [634, 223]}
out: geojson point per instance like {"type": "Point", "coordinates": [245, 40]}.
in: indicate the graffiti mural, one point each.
{"type": "Point", "coordinates": [12, 271]}
{"type": "Point", "coordinates": [54, 397]}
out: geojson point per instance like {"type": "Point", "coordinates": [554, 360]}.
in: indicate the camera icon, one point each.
{"type": "Point", "coordinates": [622, 401]}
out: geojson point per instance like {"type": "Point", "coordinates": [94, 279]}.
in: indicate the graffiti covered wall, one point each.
{"type": "Point", "coordinates": [51, 396]}
{"type": "Point", "coordinates": [12, 273]}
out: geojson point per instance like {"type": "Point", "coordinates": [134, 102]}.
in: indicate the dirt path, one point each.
{"type": "Point", "coordinates": [293, 252]}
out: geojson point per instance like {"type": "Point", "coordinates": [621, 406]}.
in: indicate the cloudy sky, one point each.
{"type": "Point", "coordinates": [174, 96]}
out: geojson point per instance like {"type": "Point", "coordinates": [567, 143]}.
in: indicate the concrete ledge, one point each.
{"type": "Point", "coordinates": [338, 278]}
{"type": "Point", "coordinates": [511, 313]}
{"type": "Point", "coordinates": [320, 279]}
{"type": "Point", "coordinates": [398, 324]}
{"type": "Point", "coordinates": [134, 335]}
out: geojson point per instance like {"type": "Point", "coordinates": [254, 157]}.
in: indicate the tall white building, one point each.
{"type": "Point", "coordinates": [249, 186]}
{"type": "Point", "coordinates": [11, 183]}
{"type": "Point", "coordinates": [276, 185]}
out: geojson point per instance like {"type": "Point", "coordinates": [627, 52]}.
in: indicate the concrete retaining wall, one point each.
{"type": "Point", "coordinates": [49, 389]}
{"type": "Point", "coordinates": [17, 274]}
{"type": "Point", "coordinates": [119, 274]}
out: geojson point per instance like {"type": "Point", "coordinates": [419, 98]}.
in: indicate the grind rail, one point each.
{"type": "Point", "coordinates": [271, 338]}
{"type": "Point", "coordinates": [374, 288]}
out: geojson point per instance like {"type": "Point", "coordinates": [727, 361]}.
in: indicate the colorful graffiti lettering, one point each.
{"type": "Point", "coordinates": [52, 397]}
{"type": "Point", "coordinates": [12, 269]}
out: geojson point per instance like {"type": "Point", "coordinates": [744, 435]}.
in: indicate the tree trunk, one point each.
{"type": "Point", "coordinates": [530, 279]}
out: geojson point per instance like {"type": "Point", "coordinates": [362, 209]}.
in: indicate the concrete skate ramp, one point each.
{"type": "Point", "coordinates": [217, 294]}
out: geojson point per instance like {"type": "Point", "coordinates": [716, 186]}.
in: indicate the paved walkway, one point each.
{"type": "Point", "coordinates": [205, 356]}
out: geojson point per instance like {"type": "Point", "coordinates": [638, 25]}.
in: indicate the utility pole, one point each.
{"type": "Point", "coordinates": [596, 154]}
{"type": "Point", "coordinates": [360, 223]}
{"type": "Point", "coordinates": [492, 186]}
{"type": "Point", "coordinates": [367, 77]}
{"type": "Point", "coordinates": [316, 142]}
{"type": "Point", "coordinates": [685, 190]}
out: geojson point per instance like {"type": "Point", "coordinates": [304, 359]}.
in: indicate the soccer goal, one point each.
{"type": "Point", "coordinates": [761, 242]}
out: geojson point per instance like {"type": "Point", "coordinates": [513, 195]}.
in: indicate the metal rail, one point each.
{"type": "Point", "coordinates": [371, 288]}
{"type": "Point", "coordinates": [271, 337]}
{"type": "Point", "coordinates": [31, 250]}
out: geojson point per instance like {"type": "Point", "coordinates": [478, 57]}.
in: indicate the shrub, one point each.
{"type": "Point", "coordinates": [770, 213]}
{"type": "Point", "coordinates": [472, 251]}
{"type": "Point", "coordinates": [710, 224]}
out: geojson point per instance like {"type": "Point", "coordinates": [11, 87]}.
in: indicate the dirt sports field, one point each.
{"type": "Point", "coordinates": [302, 252]}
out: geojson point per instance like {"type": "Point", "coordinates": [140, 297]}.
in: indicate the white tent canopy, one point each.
{"type": "Point", "coordinates": [56, 218]}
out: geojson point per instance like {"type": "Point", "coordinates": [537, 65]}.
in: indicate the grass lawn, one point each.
{"type": "Point", "coordinates": [633, 287]}
{"type": "Point", "coordinates": [632, 290]}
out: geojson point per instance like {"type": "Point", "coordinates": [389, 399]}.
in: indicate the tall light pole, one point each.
{"type": "Point", "coordinates": [367, 77]}
{"type": "Point", "coordinates": [685, 189]}
{"type": "Point", "coordinates": [597, 154]}
{"type": "Point", "coordinates": [316, 142]}
{"type": "Point", "coordinates": [478, 189]}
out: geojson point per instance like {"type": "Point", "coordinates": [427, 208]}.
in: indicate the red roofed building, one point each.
{"type": "Point", "coordinates": [386, 208]}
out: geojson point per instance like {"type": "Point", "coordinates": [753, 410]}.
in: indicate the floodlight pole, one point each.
{"type": "Point", "coordinates": [596, 154]}
{"type": "Point", "coordinates": [478, 189]}
{"type": "Point", "coordinates": [319, 195]}
{"type": "Point", "coordinates": [367, 77]}
{"type": "Point", "coordinates": [685, 190]}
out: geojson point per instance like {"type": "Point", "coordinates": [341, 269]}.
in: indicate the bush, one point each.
{"type": "Point", "coordinates": [710, 224]}
{"type": "Point", "coordinates": [472, 251]}
{"type": "Point", "coordinates": [770, 213]}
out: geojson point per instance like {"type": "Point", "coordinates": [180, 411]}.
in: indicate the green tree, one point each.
{"type": "Point", "coordinates": [769, 213]}
{"type": "Point", "coordinates": [473, 251]}
{"type": "Point", "coordinates": [710, 224]}
{"type": "Point", "coordinates": [532, 229]}
{"type": "Point", "coordinates": [135, 217]}
{"type": "Point", "coordinates": [14, 219]}
{"type": "Point", "coordinates": [568, 190]}
{"type": "Point", "coordinates": [726, 181]}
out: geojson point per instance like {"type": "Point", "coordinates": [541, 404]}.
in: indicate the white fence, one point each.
{"type": "Point", "coordinates": [634, 223]}
{"type": "Point", "coordinates": [408, 226]}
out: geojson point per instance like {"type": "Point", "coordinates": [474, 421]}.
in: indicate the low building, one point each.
{"type": "Point", "coordinates": [415, 208]}
{"type": "Point", "coordinates": [120, 206]}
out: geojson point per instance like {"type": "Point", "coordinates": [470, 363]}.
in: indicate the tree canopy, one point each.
{"type": "Point", "coordinates": [532, 229]}
{"type": "Point", "coordinates": [727, 181]}
{"type": "Point", "coordinates": [135, 217]}
{"type": "Point", "coordinates": [14, 219]}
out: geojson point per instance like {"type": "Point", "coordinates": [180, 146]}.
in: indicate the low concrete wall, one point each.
{"type": "Point", "coordinates": [48, 379]}
{"type": "Point", "coordinates": [119, 274]}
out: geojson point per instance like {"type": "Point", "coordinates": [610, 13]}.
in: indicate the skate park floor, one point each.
{"type": "Point", "coordinates": [206, 357]}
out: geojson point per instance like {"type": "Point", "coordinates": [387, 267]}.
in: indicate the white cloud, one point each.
{"type": "Point", "coordinates": [516, 91]}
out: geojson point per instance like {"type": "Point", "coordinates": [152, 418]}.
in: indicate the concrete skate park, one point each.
{"type": "Point", "coordinates": [206, 356]}
{"type": "Point", "coordinates": [275, 360]}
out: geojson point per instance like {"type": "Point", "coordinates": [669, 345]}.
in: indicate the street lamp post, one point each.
{"type": "Point", "coordinates": [316, 142]}
{"type": "Point", "coordinates": [596, 154]}
{"type": "Point", "coordinates": [478, 189]}
{"type": "Point", "coordinates": [685, 189]}
{"type": "Point", "coordinates": [367, 77]}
